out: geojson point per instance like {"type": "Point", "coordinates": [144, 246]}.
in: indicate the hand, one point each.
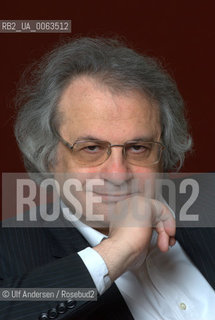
{"type": "Point", "coordinates": [130, 232]}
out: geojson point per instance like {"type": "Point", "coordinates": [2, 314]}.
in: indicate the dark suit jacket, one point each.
{"type": "Point", "coordinates": [47, 257]}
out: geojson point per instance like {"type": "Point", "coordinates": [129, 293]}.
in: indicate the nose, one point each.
{"type": "Point", "coordinates": [116, 169]}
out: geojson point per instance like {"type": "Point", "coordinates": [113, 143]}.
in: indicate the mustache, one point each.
{"type": "Point", "coordinates": [111, 184]}
{"type": "Point", "coordinates": [112, 189]}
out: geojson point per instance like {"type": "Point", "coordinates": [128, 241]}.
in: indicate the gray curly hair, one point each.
{"type": "Point", "coordinates": [118, 67]}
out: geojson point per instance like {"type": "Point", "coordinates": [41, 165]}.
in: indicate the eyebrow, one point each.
{"type": "Point", "coordinates": [136, 139]}
{"type": "Point", "coordinates": [88, 137]}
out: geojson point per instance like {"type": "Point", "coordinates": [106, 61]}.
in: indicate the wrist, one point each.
{"type": "Point", "coordinates": [116, 255]}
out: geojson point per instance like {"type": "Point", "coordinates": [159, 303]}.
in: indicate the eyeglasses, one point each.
{"type": "Point", "coordinates": [93, 153]}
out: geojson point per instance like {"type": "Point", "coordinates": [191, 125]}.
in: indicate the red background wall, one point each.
{"type": "Point", "coordinates": [180, 33]}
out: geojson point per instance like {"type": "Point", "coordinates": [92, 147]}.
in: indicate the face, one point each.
{"type": "Point", "coordinates": [89, 109]}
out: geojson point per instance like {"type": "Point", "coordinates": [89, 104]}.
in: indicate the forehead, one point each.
{"type": "Point", "coordinates": [87, 107]}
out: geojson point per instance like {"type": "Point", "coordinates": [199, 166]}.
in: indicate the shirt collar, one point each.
{"type": "Point", "coordinates": [93, 236]}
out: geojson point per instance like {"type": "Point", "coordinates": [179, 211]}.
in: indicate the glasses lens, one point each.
{"type": "Point", "coordinates": [143, 153]}
{"type": "Point", "coordinates": [90, 153]}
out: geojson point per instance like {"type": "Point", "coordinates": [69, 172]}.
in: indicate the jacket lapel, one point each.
{"type": "Point", "coordinates": [199, 244]}
{"type": "Point", "coordinates": [66, 239]}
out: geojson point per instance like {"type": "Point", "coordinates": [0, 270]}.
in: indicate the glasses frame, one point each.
{"type": "Point", "coordinates": [110, 146]}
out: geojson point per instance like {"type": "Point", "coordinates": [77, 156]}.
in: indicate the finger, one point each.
{"type": "Point", "coordinates": [162, 213]}
{"type": "Point", "coordinates": [172, 241]}
{"type": "Point", "coordinates": [169, 226]}
{"type": "Point", "coordinates": [163, 238]}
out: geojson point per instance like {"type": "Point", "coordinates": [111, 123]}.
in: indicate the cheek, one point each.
{"type": "Point", "coordinates": [145, 179]}
{"type": "Point", "coordinates": [146, 170]}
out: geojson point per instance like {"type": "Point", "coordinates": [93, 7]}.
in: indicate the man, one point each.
{"type": "Point", "coordinates": [96, 109]}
